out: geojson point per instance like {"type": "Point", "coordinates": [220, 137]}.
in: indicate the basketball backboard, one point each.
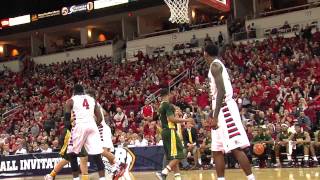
{"type": "Point", "coordinates": [222, 5]}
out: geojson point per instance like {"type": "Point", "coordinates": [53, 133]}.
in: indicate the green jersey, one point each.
{"type": "Point", "coordinates": [317, 136]}
{"type": "Point", "coordinates": [262, 137]}
{"type": "Point", "coordinates": [171, 142]}
{"type": "Point", "coordinates": [166, 109]}
{"type": "Point", "coordinates": [284, 136]}
{"type": "Point", "coordinates": [299, 136]}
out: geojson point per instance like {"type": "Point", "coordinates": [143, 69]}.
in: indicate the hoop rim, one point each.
{"type": "Point", "coordinates": [179, 11]}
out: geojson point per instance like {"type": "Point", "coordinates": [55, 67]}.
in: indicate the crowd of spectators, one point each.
{"type": "Point", "coordinates": [39, 93]}
{"type": "Point", "coordinates": [275, 82]}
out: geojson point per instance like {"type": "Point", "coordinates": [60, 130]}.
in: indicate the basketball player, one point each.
{"type": "Point", "coordinates": [282, 144]}
{"type": "Point", "coordinates": [315, 147]}
{"type": "Point", "coordinates": [107, 145]}
{"type": "Point", "coordinates": [85, 132]}
{"type": "Point", "coordinates": [299, 142]}
{"type": "Point", "coordinates": [66, 159]}
{"type": "Point", "coordinates": [171, 141]}
{"type": "Point", "coordinates": [228, 134]}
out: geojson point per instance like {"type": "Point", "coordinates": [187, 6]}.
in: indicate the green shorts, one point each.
{"type": "Point", "coordinates": [63, 151]}
{"type": "Point", "coordinates": [172, 144]}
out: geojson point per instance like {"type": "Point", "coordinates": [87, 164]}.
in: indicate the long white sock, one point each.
{"type": "Point", "coordinates": [166, 170]}
{"type": "Point", "coordinates": [289, 157]}
{"type": "Point", "coordinates": [199, 161]}
{"type": "Point", "coordinates": [220, 178]}
{"type": "Point", "coordinates": [306, 157]}
{"type": "Point", "coordinates": [177, 176]}
{"type": "Point", "coordinates": [251, 177]}
{"type": "Point", "coordinates": [77, 178]}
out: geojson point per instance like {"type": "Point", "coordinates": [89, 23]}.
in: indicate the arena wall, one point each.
{"type": "Point", "coordinates": [169, 40]}
{"type": "Point", "coordinates": [73, 55]}
{"type": "Point", "coordinates": [14, 65]}
{"type": "Point", "coordinates": [296, 17]}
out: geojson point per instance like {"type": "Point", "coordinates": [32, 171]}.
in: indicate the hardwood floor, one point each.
{"type": "Point", "coordinates": [235, 174]}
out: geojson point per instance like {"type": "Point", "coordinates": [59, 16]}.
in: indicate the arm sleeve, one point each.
{"type": "Point", "coordinates": [185, 138]}
{"type": "Point", "coordinates": [255, 139]}
{"type": "Point", "coordinates": [168, 110]}
{"type": "Point", "coordinates": [67, 121]}
{"type": "Point", "coordinates": [268, 138]}
{"type": "Point", "coordinates": [195, 136]}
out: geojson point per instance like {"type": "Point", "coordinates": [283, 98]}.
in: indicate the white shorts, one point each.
{"type": "Point", "coordinates": [230, 135]}
{"type": "Point", "coordinates": [87, 135]}
{"type": "Point", "coordinates": [106, 137]}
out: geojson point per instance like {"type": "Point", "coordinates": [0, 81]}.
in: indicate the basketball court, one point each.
{"type": "Point", "coordinates": [233, 174]}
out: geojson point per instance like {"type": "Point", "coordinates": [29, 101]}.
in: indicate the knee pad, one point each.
{"type": "Point", "coordinates": [98, 160]}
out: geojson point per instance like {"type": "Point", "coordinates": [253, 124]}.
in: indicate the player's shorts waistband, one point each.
{"type": "Point", "coordinates": [85, 122]}
{"type": "Point", "coordinates": [169, 128]}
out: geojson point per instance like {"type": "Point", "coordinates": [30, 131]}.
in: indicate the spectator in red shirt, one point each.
{"type": "Point", "coordinates": [147, 111]}
{"type": "Point", "coordinates": [271, 115]}
{"type": "Point", "coordinates": [289, 104]}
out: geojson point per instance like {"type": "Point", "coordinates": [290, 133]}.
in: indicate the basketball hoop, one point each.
{"type": "Point", "coordinates": [179, 11]}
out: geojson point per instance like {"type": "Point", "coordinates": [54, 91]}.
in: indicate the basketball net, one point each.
{"type": "Point", "coordinates": [179, 11]}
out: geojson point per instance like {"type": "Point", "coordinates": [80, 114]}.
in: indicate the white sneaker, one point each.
{"type": "Point", "coordinates": [48, 177]}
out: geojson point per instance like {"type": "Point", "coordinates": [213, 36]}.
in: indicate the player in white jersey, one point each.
{"type": "Point", "coordinates": [85, 132]}
{"type": "Point", "coordinates": [107, 144]}
{"type": "Point", "coordinates": [228, 134]}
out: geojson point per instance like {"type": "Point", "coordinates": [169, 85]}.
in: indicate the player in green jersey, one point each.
{"type": "Point", "coordinates": [171, 142]}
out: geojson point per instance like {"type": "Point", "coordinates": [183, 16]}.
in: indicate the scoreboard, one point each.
{"type": "Point", "coordinates": [63, 11]}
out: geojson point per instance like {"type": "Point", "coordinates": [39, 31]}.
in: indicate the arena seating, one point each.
{"type": "Point", "coordinates": [42, 90]}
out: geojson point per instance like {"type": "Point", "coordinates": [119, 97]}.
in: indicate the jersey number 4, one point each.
{"type": "Point", "coordinates": [85, 103]}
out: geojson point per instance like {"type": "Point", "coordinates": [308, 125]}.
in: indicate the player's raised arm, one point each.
{"type": "Point", "coordinates": [67, 114]}
{"type": "Point", "coordinates": [174, 119]}
{"type": "Point", "coordinates": [216, 70]}
{"type": "Point", "coordinates": [171, 117]}
{"type": "Point", "coordinates": [98, 113]}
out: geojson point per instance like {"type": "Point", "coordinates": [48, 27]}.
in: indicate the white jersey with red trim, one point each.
{"type": "Point", "coordinates": [83, 109]}
{"type": "Point", "coordinates": [226, 82]}
{"type": "Point", "coordinates": [230, 135]}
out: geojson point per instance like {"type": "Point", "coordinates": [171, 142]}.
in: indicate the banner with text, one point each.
{"type": "Point", "coordinates": [108, 3]}
{"type": "Point", "coordinates": [36, 17]}
{"type": "Point", "coordinates": [77, 8]}
{"type": "Point", "coordinates": [137, 159]}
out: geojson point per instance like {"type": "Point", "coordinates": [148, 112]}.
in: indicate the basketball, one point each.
{"type": "Point", "coordinates": [258, 149]}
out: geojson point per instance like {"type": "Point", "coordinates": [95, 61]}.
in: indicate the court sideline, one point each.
{"type": "Point", "coordinates": [233, 174]}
